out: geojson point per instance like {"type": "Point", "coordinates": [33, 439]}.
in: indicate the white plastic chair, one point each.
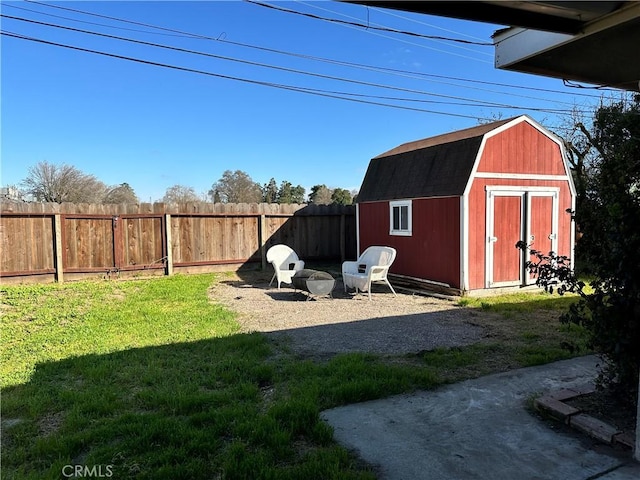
{"type": "Point", "coordinates": [285, 263]}
{"type": "Point", "coordinates": [372, 266]}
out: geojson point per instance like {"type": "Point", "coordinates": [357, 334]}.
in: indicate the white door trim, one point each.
{"type": "Point", "coordinates": [522, 176]}
{"type": "Point", "coordinates": [525, 194]}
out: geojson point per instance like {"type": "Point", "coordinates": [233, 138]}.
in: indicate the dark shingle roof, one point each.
{"type": "Point", "coordinates": [433, 167]}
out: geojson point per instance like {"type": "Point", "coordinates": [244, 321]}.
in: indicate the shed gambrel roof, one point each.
{"type": "Point", "coordinates": [437, 166]}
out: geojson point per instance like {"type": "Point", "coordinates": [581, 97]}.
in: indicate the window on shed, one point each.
{"type": "Point", "coordinates": [400, 218]}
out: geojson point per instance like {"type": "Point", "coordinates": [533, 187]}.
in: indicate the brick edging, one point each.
{"type": "Point", "coordinates": [553, 404]}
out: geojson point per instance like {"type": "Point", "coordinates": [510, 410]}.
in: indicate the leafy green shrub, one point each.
{"type": "Point", "coordinates": [607, 214]}
{"type": "Point", "coordinates": [610, 313]}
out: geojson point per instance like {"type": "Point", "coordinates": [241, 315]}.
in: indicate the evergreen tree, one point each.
{"type": "Point", "coordinates": [320, 195]}
{"type": "Point", "coordinates": [297, 194]}
{"type": "Point", "coordinates": [270, 191]}
{"type": "Point", "coordinates": [284, 193]}
{"type": "Point", "coordinates": [341, 196]}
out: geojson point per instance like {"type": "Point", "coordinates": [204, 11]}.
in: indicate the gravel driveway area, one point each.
{"type": "Point", "coordinates": [321, 327]}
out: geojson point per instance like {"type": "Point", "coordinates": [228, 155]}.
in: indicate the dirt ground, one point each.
{"type": "Point", "coordinates": [318, 327]}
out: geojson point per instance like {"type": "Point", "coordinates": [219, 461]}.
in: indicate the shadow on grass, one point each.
{"type": "Point", "coordinates": [224, 407]}
{"type": "Point", "coordinates": [204, 409]}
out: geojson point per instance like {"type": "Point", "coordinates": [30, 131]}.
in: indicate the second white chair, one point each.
{"type": "Point", "coordinates": [372, 266]}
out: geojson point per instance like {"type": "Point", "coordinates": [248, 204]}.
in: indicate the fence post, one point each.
{"type": "Point", "coordinates": [262, 227]}
{"type": "Point", "coordinates": [343, 238]}
{"type": "Point", "coordinates": [57, 247]}
{"type": "Point", "coordinates": [167, 240]}
{"type": "Point", "coordinates": [636, 451]}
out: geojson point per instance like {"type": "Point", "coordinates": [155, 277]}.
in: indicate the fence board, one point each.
{"type": "Point", "coordinates": [107, 238]}
{"type": "Point", "coordinates": [214, 239]}
{"type": "Point", "coordinates": [89, 244]}
{"type": "Point", "coordinates": [218, 232]}
{"type": "Point", "coordinates": [11, 260]}
{"type": "Point", "coordinates": [143, 242]}
{"type": "Point", "coordinates": [18, 255]}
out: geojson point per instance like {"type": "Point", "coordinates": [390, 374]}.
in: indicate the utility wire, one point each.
{"type": "Point", "coordinates": [391, 13]}
{"type": "Point", "coordinates": [290, 70]}
{"type": "Point", "coordinates": [369, 27]}
{"type": "Point", "coordinates": [186, 34]}
{"type": "Point", "coordinates": [416, 75]}
{"type": "Point", "coordinates": [62, 17]}
{"type": "Point", "coordinates": [309, 57]}
{"type": "Point", "coordinates": [107, 17]}
{"type": "Point", "coordinates": [229, 77]}
{"type": "Point", "coordinates": [464, 104]}
{"type": "Point", "coordinates": [370, 31]}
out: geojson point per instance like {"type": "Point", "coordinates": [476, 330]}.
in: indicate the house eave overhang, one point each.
{"type": "Point", "coordinates": [555, 16]}
{"type": "Point", "coordinates": [599, 54]}
{"type": "Point", "coordinates": [593, 42]}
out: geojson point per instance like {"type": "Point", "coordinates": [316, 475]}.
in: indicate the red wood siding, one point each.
{"type": "Point", "coordinates": [521, 149]}
{"type": "Point", "coordinates": [477, 222]}
{"type": "Point", "coordinates": [432, 252]}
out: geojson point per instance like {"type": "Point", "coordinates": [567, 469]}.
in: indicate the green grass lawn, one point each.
{"type": "Point", "coordinates": [149, 379]}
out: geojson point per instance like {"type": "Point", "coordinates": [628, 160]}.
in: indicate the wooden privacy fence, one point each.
{"type": "Point", "coordinates": [49, 242]}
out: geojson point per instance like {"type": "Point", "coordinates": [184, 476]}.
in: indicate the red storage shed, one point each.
{"type": "Point", "coordinates": [454, 205]}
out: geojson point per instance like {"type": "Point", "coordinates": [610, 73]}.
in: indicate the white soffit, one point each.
{"type": "Point", "coordinates": [605, 52]}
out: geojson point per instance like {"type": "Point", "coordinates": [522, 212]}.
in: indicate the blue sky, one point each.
{"type": "Point", "coordinates": [154, 127]}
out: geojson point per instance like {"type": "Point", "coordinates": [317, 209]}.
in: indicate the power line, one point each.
{"type": "Point", "coordinates": [290, 70]}
{"type": "Point", "coordinates": [369, 27]}
{"type": "Point", "coordinates": [187, 34]}
{"type": "Point", "coordinates": [409, 19]}
{"type": "Point", "coordinates": [204, 37]}
{"type": "Point", "coordinates": [229, 77]}
{"type": "Point", "coordinates": [4, 5]}
{"type": "Point", "coordinates": [464, 104]}
{"type": "Point", "coordinates": [413, 74]}
{"type": "Point", "coordinates": [572, 84]}
{"type": "Point", "coordinates": [412, 43]}
{"type": "Point", "coordinates": [368, 30]}
{"type": "Point", "coordinates": [309, 57]}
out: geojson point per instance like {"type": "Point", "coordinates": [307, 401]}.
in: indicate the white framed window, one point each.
{"type": "Point", "coordinates": [400, 218]}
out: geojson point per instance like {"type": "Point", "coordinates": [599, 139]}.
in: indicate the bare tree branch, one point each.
{"type": "Point", "coordinates": [63, 183]}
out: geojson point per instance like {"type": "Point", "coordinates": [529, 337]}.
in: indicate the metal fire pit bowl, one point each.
{"type": "Point", "coordinates": [314, 282]}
